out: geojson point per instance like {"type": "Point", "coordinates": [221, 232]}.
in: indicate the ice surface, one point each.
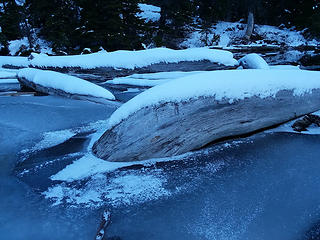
{"type": "Point", "coordinates": [64, 82]}
{"type": "Point", "coordinates": [134, 59]}
{"type": "Point", "coordinates": [228, 84]}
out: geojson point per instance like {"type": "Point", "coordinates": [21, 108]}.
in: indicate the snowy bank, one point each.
{"type": "Point", "coordinates": [209, 106]}
{"type": "Point", "coordinates": [50, 82]}
{"type": "Point", "coordinates": [133, 59]}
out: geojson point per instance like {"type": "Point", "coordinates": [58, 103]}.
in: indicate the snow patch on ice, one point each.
{"type": "Point", "coordinates": [64, 82]}
{"type": "Point", "coordinates": [126, 188]}
{"type": "Point", "coordinates": [233, 85]}
{"type": "Point", "coordinates": [89, 165]}
{"type": "Point", "coordinates": [51, 139]}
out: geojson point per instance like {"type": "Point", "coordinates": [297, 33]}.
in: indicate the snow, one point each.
{"type": "Point", "coordinates": [126, 189]}
{"type": "Point", "coordinates": [150, 79]}
{"type": "Point", "coordinates": [10, 80]}
{"type": "Point", "coordinates": [5, 74]}
{"type": "Point", "coordinates": [134, 59]}
{"type": "Point", "coordinates": [149, 13]}
{"type": "Point", "coordinates": [253, 61]}
{"type": "Point", "coordinates": [226, 84]}
{"type": "Point", "coordinates": [14, 61]}
{"type": "Point", "coordinates": [16, 45]}
{"type": "Point", "coordinates": [285, 67]}
{"type": "Point", "coordinates": [51, 139]}
{"type": "Point", "coordinates": [64, 82]}
{"type": "Point", "coordinates": [226, 34]}
{"type": "Point", "coordinates": [89, 165]}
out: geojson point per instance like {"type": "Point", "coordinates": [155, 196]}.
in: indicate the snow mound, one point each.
{"type": "Point", "coordinates": [226, 84]}
{"type": "Point", "coordinates": [65, 83]}
{"type": "Point", "coordinates": [133, 59]}
{"type": "Point", "coordinates": [149, 13]}
{"type": "Point", "coordinates": [253, 61]}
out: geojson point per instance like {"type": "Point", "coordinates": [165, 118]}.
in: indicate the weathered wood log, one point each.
{"type": "Point", "coordinates": [170, 128]}
{"type": "Point", "coordinates": [302, 124]}
{"type": "Point", "coordinates": [102, 74]}
{"type": "Point", "coordinates": [105, 222]}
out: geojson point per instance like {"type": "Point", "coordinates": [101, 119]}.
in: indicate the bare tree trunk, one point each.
{"type": "Point", "coordinates": [250, 26]}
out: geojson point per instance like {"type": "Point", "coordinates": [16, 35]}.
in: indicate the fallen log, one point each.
{"type": "Point", "coordinates": [53, 83]}
{"type": "Point", "coordinates": [206, 108]}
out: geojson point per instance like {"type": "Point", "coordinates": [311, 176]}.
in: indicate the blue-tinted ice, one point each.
{"type": "Point", "coordinates": [262, 187]}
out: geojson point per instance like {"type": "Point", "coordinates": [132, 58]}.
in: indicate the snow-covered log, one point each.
{"type": "Point", "coordinates": [253, 61]}
{"type": "Point", "coordinates": [54, 83]}
{"type": "Point", "coordinates": [124, 63]}
{"type": "Point", "coordinates": [188, 113]}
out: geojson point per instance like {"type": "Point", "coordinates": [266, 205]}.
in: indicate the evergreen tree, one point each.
{"type": "Point", "coordinates": [176, 16]}
{"type": "Point", "coordinates": [10, 18]}
{"type": "Point", "coordinates": [57, 21]}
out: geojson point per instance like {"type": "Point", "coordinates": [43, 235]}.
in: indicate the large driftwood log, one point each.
{"type": "Point", "coordinates": [103, 74]}
{"type": "Point", "coordinates": [25, 83]}
{"type": "Point", "coordinates": [170, 129]}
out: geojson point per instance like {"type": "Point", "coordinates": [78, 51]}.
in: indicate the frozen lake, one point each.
{"type": "Point", "coordinates": [262, 187]}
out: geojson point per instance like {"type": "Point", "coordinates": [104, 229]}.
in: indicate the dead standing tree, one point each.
{"type": "Point", "coordinates": [250, 26]}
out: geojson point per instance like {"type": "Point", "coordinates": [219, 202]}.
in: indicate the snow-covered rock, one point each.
{"type": "Point", "coordinates": [60, 84]}
{"type": "Point", "coordinates": [134, 59]}
{"type": "Point", "coordinates": [253, 61]}
{"type": "Point", "coordinates": [188, 113]}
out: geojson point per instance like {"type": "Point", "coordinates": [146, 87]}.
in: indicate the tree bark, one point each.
{"type": "Point", "coordinates": [250, 26]}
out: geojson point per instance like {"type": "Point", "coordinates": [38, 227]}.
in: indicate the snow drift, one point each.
{"type": "Point", "coordinates": [163, 122]}
{"type": "Point", "coordinates": [50, 82]}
